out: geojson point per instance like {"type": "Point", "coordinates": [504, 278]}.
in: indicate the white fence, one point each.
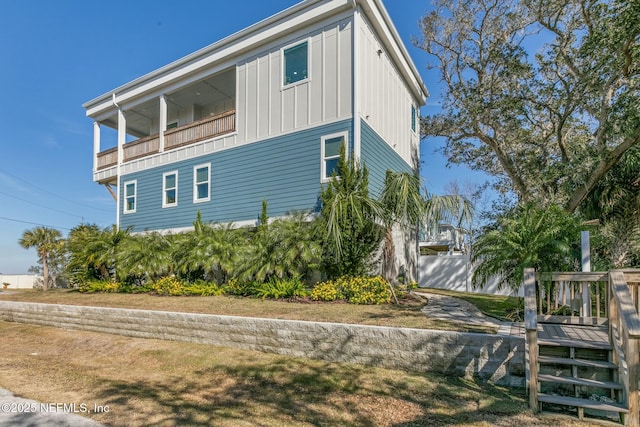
{"type": "Point", "coordinates": [455, 273]}
{"type": "Point", "coordinates": [19, 281]}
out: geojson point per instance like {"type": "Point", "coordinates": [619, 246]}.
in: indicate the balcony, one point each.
{"type": "Point", "coordinates": [190, 133]}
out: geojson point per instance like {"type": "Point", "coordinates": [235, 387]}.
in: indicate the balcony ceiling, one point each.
{"type": "Point", "coordinates": [212, 90]}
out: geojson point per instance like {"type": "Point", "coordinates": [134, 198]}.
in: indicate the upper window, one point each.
{"type": "Point", "coordinates": [296, 63]}
{"type": "Point", "coordinates": [331, 154]}
{"type": "Point", "coordinates": [170, 189]}
{"type": "Point", "coordinates": [201, 180]}
{"type": "Point", "coordinates": [130, 190]}
{"type": "Point", "coordinates": [414, 117]}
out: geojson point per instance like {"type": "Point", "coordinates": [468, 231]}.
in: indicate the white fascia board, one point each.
{"type": "Point", "coordinates": [251, 38]}
{"type": "Point", "coordinates": [380, 19]}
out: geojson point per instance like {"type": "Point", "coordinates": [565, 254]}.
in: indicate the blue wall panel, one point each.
{"type": "Point", "coordinates": [379, 157]}
{"type": "Point", "coordinates": [284, 170]}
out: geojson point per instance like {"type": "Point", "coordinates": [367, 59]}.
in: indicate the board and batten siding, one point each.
{"type": "Point", "coordinates": [385, 98]}
{"type": "Point", "coordinates": [379, 157]}
{"type": "Point", "coordinates": [266, 108]}
{"type": "Point", "coordinates": [284, 170]}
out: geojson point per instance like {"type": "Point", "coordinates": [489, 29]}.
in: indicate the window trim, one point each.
{"type": "Point", "coordinates": [125, 209]}
{"type": "Point", "coordinates": [195, 183]}
{"type": "Point", "coordinates": [164, 189]}
{"type": "Point", "coordinates": [283, 69]}
{"type": "Point", "coordinates": [323, 158]}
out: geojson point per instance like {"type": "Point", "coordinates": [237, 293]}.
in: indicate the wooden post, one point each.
{"type": "Point", "coordinates": [633, 360]}
{"type": "Point", "coordinates": [586, 266]}
{"type": "Point", "coordinates": [531, 326]}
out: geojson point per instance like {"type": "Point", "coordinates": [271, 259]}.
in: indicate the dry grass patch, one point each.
{"type": "Point", "coordinates": [162, 383]}
{"type": "Point", "coordinates": [407, 314]}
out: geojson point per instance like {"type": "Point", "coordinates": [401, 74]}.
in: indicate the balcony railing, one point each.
{"type": "Point", "coordinates": [191, 133]}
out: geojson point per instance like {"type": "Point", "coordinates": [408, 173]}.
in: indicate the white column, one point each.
{"type": "Point", "coordinates": [163, 121]}
{"type": "Point", "coordinates": [96, 144]}
{"type": "Point", "coordinates": [355, 81]}
{"type": "Point", "coordinates": [122, 138]}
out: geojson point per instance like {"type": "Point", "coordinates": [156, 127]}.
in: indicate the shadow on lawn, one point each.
{"type": "Point", "coordinates": [295, 392]}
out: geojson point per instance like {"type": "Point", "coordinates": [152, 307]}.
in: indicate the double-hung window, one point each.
{"type": "Point", "coordinates": [130, 190]}
{"type": "Point", "coordinates": [295, 63]}
{"type": "Point", "coordinates": [330, 153]}
{"type": "Point", "coordinates": [170, 189]}
{"type": "Point", "coordinates": [201, 183]}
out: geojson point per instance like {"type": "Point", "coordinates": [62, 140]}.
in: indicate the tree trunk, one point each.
{"type": "Point", "coordinates": [389, 261]}
{"type": "Point", "coordinates": [45, 273]}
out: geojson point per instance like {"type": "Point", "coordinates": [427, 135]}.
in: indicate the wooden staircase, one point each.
{"type": "Point", "coordinates": [578, 377]}
{"type": "Point", "coordinates": [584, 366]}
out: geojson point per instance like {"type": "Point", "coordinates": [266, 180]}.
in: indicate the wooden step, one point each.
{"type": "Point", "coordinates": [582, 403]}
{"type": "Point", "coordinates": [579, 381]}
{"type": "Point", "coordinates": [577, 362]}
{"type": "Point", "coordinates": [574, 343]}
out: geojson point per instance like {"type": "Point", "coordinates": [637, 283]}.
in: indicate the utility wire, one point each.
{"type": "Point", "coordinates": [41, 206]}
{"type": "Point", "coordinates": [21, 180]}
{"type": "Point", "coordinates": [34, 223]}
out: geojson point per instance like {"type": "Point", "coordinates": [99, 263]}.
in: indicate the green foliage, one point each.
{"type": "Point", "coordinates": [280, 288]}
{"type": "Point", "coordinates": [548, 126]}
{"type": "Point", "coordinates": [49, 246]}
{"type": "Point", "coordinates": [202, 288]}
{"type": "Point", "coordinates": [355, 290]}
{"type": "Point", "coordinates": [168, 286]}
{"type": "Point", "coordinates": [348, 220]}
{"type": "Point", "coordinates": [238, 288]}
{"type": "Point", "coordinates": [284, 249]}
{"type": "Point", "coordinates": [93, 286]}
{"type": "Point", "coordinates": [529, 237]}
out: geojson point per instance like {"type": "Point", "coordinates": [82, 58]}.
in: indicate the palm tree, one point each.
{"type": "Point", "coordinates": [286, 248]}
{"type": "Point", "coordinates": [528, 237]}
{"type": "Point", "coordinates": [348, 220]}
{"type": "Point", "coordinates": [146, 256]}
{"type": "Point", "coordinates": [46, 241]}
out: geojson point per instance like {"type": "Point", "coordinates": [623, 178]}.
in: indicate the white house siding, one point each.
{"type": "Point", "coordinates": [266, 109]}
{"type": "Point", "coordinates": [385, 99]}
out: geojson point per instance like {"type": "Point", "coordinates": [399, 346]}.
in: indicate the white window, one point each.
{"type": "Point", "coordinates": [295, 63]}
{"type": "Point", "coordinates": [170, 189]}
{"type": "Point", "coordinates": [201, 180]}
{"type": "Point", "coordinates": [130, 190]}
{"type": "Point", "coordinates": [330, 153]}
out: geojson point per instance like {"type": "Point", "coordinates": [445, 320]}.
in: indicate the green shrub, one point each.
{"type": "Point", "coordinates": [168, 286]}
{"type": "Point", "coordinates": [202, 288]}
{"type": "Point", "coordinates": [238, 288]}
{"type": "Point", "coordinates": [92, 286]}
{"type": "Point", "coordinates": [280, 288]}
{"type": "Point", "coordinates": [356, 290]}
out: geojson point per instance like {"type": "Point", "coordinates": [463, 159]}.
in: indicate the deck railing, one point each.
{"type": "Point", "coordinates": [613, 298]}
{"type": "Point", "coordinates": [200, 130]}
{"type": "Point", "coordinates": [190, 133]}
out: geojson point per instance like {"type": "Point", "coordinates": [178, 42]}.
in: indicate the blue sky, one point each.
{"type": "Point", "coordinates": [56, 55]}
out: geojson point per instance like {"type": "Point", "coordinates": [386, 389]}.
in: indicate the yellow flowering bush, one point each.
{"type": "Point", "coordinates": [356, 290]}
{"type": "Point", "coordinates": [168, 286]}
{"type": "Point", "coordinates": [326, 291]}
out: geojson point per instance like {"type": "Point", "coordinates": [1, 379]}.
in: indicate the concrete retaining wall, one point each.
{"type": "Point", "coordinates": [494, 358]}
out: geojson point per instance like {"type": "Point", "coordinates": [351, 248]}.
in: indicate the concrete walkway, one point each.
{"type": "Point", "coordinates": [457, 310]}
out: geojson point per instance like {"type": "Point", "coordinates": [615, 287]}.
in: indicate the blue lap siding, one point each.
{"type": "Point", "coordinates": [284, 170]}
{"type": "Point", "coordinates": [379, 157]}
